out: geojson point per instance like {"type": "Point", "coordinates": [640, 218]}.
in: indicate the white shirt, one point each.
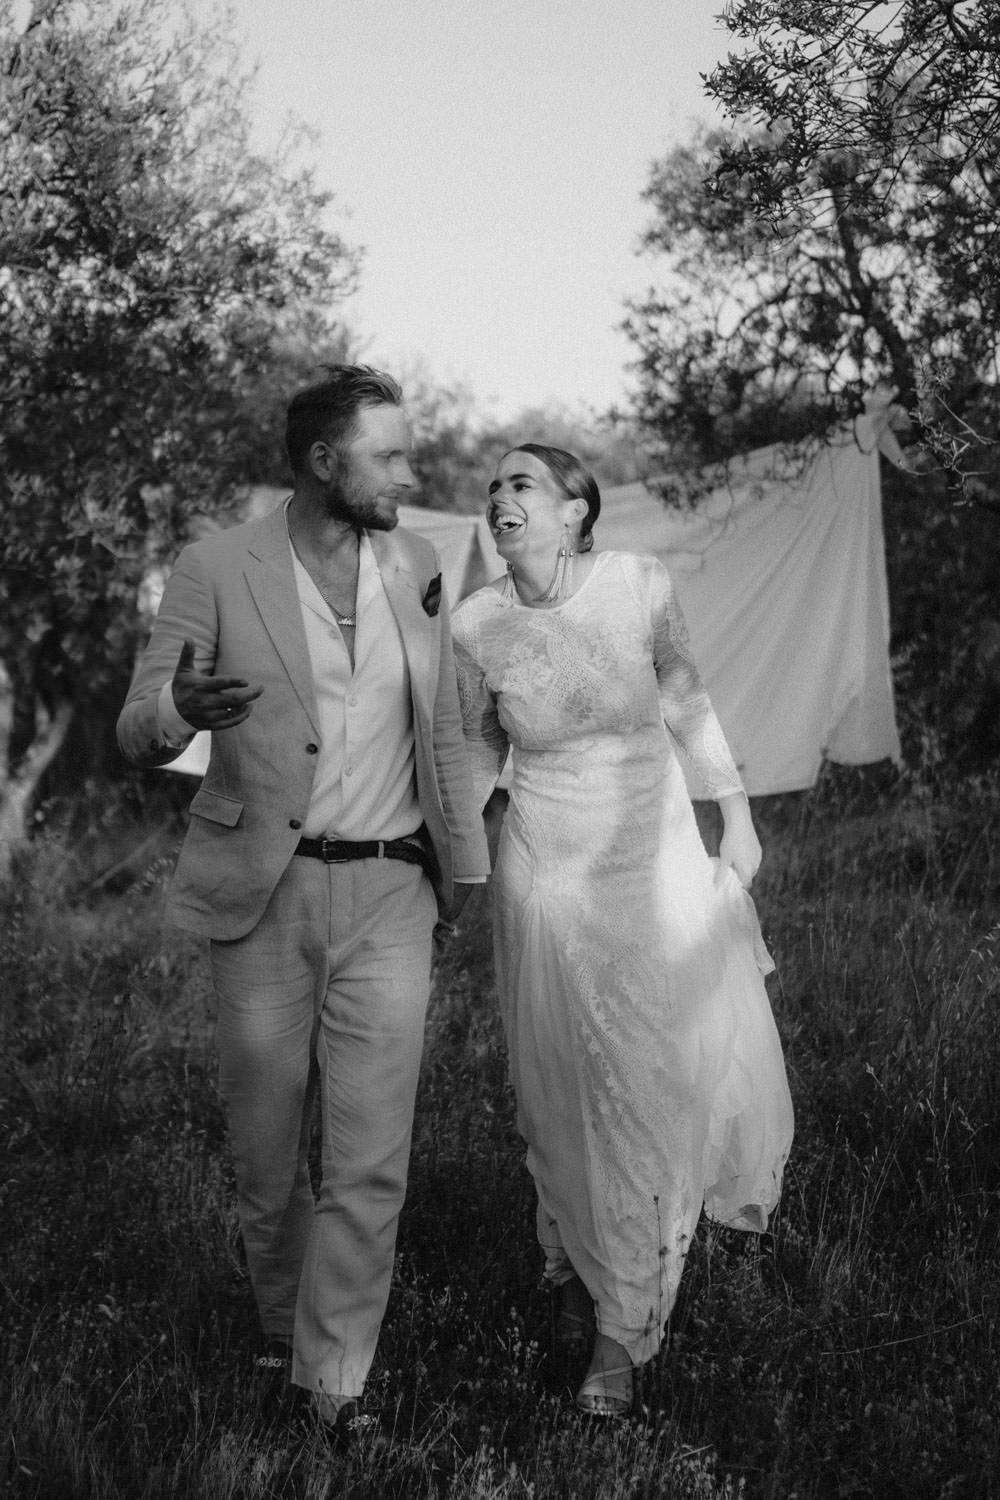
{"type": "Point", "coordinates": [365, 786]}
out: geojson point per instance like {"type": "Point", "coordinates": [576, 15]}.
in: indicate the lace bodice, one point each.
{"type": "Point", "coordinates": [612, 661]}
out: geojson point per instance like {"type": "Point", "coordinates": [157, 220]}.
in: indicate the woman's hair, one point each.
{"type": "Point", "coordinates": [573, 479]}
{"type": "Point", "coordinates": [327, 412]}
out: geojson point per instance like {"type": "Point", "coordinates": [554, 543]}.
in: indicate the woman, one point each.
{"type": "Point", "coordinates": [647, 1068]}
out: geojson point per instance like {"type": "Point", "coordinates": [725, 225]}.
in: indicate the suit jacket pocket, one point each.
{"type": "Point", "coordinates": [216, 808]}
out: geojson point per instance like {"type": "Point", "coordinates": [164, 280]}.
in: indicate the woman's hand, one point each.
{"type": "Point", "coordinates": [740, 849]}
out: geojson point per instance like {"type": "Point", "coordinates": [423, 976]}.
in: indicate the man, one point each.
{"type": "Point", "coordinates": [315, 645]}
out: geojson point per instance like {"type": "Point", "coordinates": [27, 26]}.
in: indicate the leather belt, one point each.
{"type": "Point", "coordinates": [339, 851]}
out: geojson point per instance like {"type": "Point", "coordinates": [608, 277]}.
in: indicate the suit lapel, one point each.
{"type": "Point", "coordinates": [419, 637]}
{"type": "Point", "coordinates": [271, 579]}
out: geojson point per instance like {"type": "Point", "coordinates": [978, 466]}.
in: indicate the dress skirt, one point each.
{"type": "Point", "coordinates": [648, 1071]}
{"type": "Point", "coordinates": [643, 1052]}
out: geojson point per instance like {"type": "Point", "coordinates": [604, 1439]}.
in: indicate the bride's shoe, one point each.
{"type": "Point", "coordinates": [606, 1393]}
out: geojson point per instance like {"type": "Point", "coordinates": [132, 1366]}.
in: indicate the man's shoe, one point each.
{"type": "Point", "coordinates": [345, 1425]}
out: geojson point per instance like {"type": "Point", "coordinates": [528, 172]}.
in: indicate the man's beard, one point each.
{"type": "Point", "coordinates": [359, 511]}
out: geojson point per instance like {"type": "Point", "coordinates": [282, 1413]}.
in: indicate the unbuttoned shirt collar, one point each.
{"type": "Point", "coordinates": [365, 785]}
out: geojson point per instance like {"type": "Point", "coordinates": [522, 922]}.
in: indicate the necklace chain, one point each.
{"type": "Point", "coordinates": [346, 619]}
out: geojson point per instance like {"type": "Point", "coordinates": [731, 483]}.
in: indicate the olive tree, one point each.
{"type": "Point", "coordinates": [840, 238]}
{"type": "Point", "coordinates": [158, 276]}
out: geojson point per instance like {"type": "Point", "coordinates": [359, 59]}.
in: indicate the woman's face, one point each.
{"type": "Point", "coordinates": [527, 511]}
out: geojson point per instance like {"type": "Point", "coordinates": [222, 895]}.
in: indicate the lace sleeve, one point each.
{"type": "Point", "coordinates": [485, 738]}
{"type": "Point", "coordinates": [684, 701]}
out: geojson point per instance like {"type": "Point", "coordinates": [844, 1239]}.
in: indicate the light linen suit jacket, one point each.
{"type": "Point", "coordinates": [234, 595]}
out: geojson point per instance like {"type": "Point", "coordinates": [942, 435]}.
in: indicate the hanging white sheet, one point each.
{"type": "Point", "coordinates": [781, 577]}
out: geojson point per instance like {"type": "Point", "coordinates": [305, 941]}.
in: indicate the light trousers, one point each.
{"type": "Point", "coordinates": [328, 994]}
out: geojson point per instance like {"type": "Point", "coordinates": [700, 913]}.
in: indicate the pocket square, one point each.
{"type": "Point", "coordinates": [432, 599]}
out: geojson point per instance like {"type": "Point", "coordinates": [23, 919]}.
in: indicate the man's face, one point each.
{"type": "Point", "coordinates": [373, 474]}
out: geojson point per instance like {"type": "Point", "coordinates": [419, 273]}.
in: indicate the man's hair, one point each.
{"type": "Point", "coordinates": [573, 479]}
{"type": "Point", "coordinates": [327, 412]}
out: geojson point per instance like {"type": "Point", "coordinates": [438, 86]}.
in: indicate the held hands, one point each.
{"type": "Point", "coordinates": [445, 929]}
{"type": "Point", "coordinates": [740, 849]}
{"type": "Point", "coordinates": [460, 893]}
{"type": "Point", "coordinates": [209, 702]}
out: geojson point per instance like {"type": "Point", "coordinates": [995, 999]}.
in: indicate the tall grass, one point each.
{"type": "Point", "coordinates": [852, 1351]}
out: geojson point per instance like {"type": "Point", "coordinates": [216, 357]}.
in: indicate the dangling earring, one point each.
{"type": "Point", "coordinates": [561, 583]}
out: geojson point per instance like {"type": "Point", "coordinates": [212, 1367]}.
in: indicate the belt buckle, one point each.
{"type": "Point", "coordinates": [325, 845]}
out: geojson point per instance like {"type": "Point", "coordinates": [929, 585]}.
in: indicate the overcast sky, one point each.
{"type": "Point", "coordinates": [491, 156]}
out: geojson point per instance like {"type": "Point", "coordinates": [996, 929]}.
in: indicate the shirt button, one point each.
{"type": "Point", "coordinates": [352, 700]}
{"type": "Point", "coordinates": [348, 770]}
{"type": "Point", "coordinates": [294, 823]}
{"type": "Point", "coordinates": [312, 749]}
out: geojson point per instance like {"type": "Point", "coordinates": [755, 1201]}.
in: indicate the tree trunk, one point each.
{"type": "Point", "coordinates": [17, 792]}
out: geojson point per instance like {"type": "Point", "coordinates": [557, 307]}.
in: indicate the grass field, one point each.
{"type": "Point", "coordinates": [852, 1351]}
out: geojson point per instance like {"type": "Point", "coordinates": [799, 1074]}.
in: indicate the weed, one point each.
{"type": "Point", "coordinates": [850, 1351]}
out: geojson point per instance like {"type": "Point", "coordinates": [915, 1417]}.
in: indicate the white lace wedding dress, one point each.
{"type": "Point", "coordinates": [646, 1065]}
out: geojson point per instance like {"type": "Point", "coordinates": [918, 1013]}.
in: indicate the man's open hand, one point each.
{"type": "Point", "coordinates": [209, 702]}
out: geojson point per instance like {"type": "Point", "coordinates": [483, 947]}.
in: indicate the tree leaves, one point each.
{"type": "Point", "coordinates": [162, 285]}
{"type": "Point", "coordinates": [842, 240]}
